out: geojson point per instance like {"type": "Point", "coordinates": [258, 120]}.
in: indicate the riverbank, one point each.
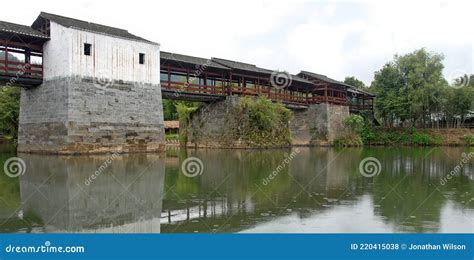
{"type": "Point", "coordinates": [373, 137]}
{"type": "Point", "coordinates": [410, 137]}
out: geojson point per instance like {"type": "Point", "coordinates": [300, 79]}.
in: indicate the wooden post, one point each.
{"type": "Point", "coordinates": [229, 87]}
{"type": "Point", "coordinates": [169, 76]}
{"type": "Point", "coordinates": [258, 86]}
{"type": "Point", "coordinates": [205, 83]}
{"type": "Point", "coordinates": [326, 92]}
{"type": "Point", "coordinates": [223, 79]}
{"type": "Point", "coordinates": [6, 58]}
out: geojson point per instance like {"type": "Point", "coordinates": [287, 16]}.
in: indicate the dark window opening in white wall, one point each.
{"type": "Point", "coordinates": [87, 49]}
{"type": "Point", "coordinates": [141, 58]}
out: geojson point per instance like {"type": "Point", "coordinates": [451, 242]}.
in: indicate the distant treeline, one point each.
{"type": "Point", "coordinates": [412, 92]}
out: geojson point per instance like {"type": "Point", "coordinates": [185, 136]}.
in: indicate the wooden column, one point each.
{"type": "Point", "coordinates": [326, 93]}
{"type": "Point", "coordinates": [6, 58]}
{"type": "Point", "coordinates": [169, 76]}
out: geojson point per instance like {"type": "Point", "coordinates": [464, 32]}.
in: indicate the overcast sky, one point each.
{"type": "Point", "coordinates": [334, 38]}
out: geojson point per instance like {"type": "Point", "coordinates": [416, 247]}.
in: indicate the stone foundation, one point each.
{"type": "Point", "coordinates": [78, 115]}
{"type": "Point", "coordinates": [318, 124]}
{"type": "Point", "coordinates": [210, 126]}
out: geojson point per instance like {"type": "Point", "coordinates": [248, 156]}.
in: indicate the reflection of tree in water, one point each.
{"type": "Point", "coordinates": [300, 187]}
{"type": "Point", "coordinates": [229, 180]}
{"type": "Point", "coordinates": [9, 187]}
{"type": "Point", "coordinates": [409, 192]}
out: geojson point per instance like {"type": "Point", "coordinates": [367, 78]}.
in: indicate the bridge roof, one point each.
{"type": "Point", "coordinates": [241, 66]}
{"type": "Point", "coordinates": [253, 68]}
{"type": "Point", "coordinates": [87, 26]}
{"type": "Point", "coordinates": [20, 33]}
{"type": "Point", "coordinates": [333, 81]}
{"type": "Point", "coordinates": [321, 77]}
{"type": "Point", "coordinates": [190, 60]}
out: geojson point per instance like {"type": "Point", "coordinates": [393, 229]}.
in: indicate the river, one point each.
{"type": "Point", "coordinates": [303, 190]}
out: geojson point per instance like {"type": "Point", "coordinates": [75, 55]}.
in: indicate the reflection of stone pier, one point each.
{"type": "Point", "coordinates": [125, 196]}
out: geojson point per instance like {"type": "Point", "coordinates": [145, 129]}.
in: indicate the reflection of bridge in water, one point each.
{"type": "Point", "coordinates": [126, 197]}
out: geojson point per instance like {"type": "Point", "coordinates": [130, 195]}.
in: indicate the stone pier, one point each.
{"type": "Point", "coordinates": [79, 115]}
{"type": "Point", "coordinates": [319, 124]}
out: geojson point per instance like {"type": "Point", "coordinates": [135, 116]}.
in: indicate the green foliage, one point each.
{"type": "Point", "coordinates": [348, 141]}
{"type": "Point", "coordinates": [458, 102]}
{"type": "Point", "coordinates": [409, 136]}
{"type": "Point", "coordinates": [262, 123]}
{"type": "Point", "coordinates": [468, 139]}
{"type": "Point", "coordinates": [172, 137]}
{"type": "Point", "coordinates": [424, 139]}
{"type": "Point", "coordinates": [355, 122]}
{"type": "Point", "coordinates": [184, 110]}
{"type": "Point", "coordinates": [353, 81]}
{"type": "Point", "coordinates": [409, 89]}
{"type": "Point", "coordinates": [9, 111]}
{"type": "Point", "coordinates": [169, 110]}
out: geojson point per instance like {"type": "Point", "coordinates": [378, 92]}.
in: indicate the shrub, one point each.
{"type": "Point", "coordinates": [348, 141]}
{"type": "Point", "coordinates": [425, 139]}
{"type": "Point", "coordinates": [9, 111]}
{"type": "Point", "coordinates": [468, 139]}
{"type": "Point", "coordinates": [171, 137]}
{"type": "Point", "coordinates": [184, 114]}
{"type": "Point", "coordinates": [355, 123]}
{"type": "Point", "coordinates": [261, 122]}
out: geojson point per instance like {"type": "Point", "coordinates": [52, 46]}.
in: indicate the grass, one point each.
{"type": "Point", "coordinates": [417, 137]}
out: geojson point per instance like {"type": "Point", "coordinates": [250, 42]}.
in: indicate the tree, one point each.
{"type": "Point", "coordinates": [457, 104]}
{"type": "Point", "coordinates": [353, 81]}
{"type": "Point", "coordinates": [409, 88]}
{"type": "Point", "coordinates": [9, 111]}
{"type": "Point", "coordinates": [169, 110]}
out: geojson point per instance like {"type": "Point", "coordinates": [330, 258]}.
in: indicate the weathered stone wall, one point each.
{"type": "Point", "coordinates": [318, 124]}
{"type": "Point", "coordinates": [78, 115]}
{"type": "Point", "coordinates": [336, 115]}
{"type": "Point", "coordinates": [210, 125]}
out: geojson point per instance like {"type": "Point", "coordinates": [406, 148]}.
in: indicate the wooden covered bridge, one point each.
{"type": "Point", "coordinates": [189, 78]}
{"type": "Point", "coordinates": [91, 88]}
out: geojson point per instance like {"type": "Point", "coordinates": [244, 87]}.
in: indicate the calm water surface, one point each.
{"type": "Point", "coordinates": [317, 190]}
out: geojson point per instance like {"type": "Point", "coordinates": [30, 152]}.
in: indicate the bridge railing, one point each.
{"type": "Point", "coordinates": [353, 107]}
{"type": "Point", "coordinates": [21, 69]}
{"type": "Point", "coordinates": [284, 96]}
{"type": "Point", "coordinates": [193, 88]}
